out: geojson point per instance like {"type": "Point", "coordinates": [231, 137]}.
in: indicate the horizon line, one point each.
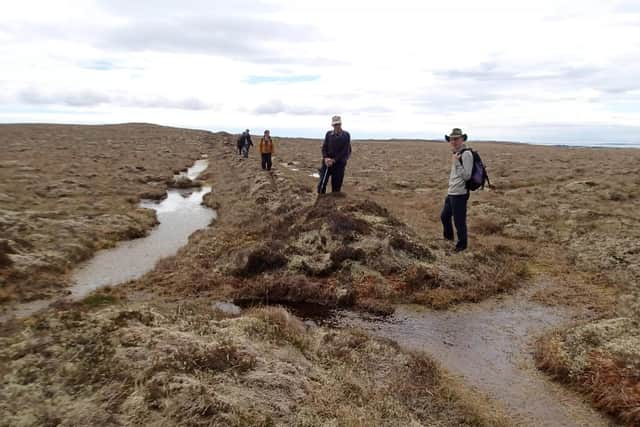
{"type": "Point", "coordinates": [609, 143]}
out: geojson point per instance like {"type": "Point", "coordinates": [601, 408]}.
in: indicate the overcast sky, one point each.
{"type": "Point", "coordinates": [542, 70]}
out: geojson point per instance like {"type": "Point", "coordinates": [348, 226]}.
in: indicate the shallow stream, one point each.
{"type": "Point", "coordinates": [180, 214]}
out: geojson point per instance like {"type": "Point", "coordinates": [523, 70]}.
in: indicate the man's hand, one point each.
{"type": "Point", "coordinates": [456, 157]}
{"type": "Point", "coordinates": [329, 161]}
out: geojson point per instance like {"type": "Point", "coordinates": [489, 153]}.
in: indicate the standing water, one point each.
{"type": "Point", "coordinates": [488, 345]}
{"type": "Point", "coordinates": [194, 171]}
{"type": "Point", "coordinates": [180, 214]}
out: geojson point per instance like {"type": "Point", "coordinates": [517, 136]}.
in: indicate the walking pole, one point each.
{"type": "Point", "coordinates": [324, 179]}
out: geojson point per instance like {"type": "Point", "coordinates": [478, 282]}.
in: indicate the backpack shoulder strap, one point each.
{"type": "Point", "coordinates": [462, 151]}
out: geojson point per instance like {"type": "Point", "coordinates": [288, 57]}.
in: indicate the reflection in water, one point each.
{"type": "Point", "coordinates": [194, 171]}
{"type": "Point", "coordinates": [180, 214]}
{"type": "Point", "coordinates": [487, 344]}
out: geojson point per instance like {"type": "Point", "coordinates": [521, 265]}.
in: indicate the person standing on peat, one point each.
{"type": "Point", "coordinates": [240, 142]}
{"type": "Point", "coordinates": [244, 143]}
{"type": "Point", "coordinates": [455, 204]}
{"type": "Point", "coordinates": [336, 151]}
{"type": "Point", "coordinates": [266, 150]}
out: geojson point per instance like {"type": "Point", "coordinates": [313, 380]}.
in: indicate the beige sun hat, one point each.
{"type": "Point", "coordinates": [336, 120]}
{"type": "Point", "coordinates": [455, 133]}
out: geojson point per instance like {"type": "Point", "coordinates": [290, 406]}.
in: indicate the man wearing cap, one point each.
{"type": "Point", "coordinates": [336, 150]}
{"type": "Point", "coordinates": [455, 204]}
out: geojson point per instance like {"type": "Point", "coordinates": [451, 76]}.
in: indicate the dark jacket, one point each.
{"type": "Point", "coordinates": [245, 139]}
{"type": "Point", "coordinates": [337, 147]}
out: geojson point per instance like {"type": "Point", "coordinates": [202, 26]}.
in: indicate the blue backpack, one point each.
{"type": "Point", "coordinates": [478, 174]}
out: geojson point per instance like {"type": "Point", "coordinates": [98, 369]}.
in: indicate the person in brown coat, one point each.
{"type": "Point", "coordinates": [266, 150]}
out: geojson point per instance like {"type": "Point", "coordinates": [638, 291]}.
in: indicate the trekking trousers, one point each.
{"type": "Point", "coordinates": [266, 161]}
{"type": "Point", "coordinates": [455, 206]}
{"type": "Point", "coordinates": [336, 172]}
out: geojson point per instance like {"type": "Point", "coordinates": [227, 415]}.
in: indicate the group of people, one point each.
{"type": "Point", "coordinates": [266, 147]}
{"type": "Point", "coordinates": [336, 151]}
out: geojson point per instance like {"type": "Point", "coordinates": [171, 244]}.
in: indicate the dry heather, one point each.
{"type": "Point", "coordinates": [602, 358]}
{"type": "Point", "coordinates": [344, 251]}
{"type": "Point", "coordinates": [67, 191]}
{"type": "Point", "coordinates": [190, 365]}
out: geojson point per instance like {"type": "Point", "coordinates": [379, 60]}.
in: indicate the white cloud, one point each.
{"type": "Point", "coordinates": [90, 98]}
{"type": "Point", "coordinates": [499, 68]}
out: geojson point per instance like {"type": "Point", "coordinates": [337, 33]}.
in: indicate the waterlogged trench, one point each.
{"type": "Point", "coordinates": [489, 346]}
{"type": "Point", "coordinates": [180, 214]}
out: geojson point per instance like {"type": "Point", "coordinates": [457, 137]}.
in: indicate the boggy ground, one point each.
{"type": "Point", "coordinates": [67, 191]}
{"type": "Point", "coordinates": [568, 215]}
{"type": "Point", "coordinates": [108, 362]}
{"type": "Point", "coordinates": [380, 244]}
{"type": "Point", "coordinates": [572, 213]}
{"type": "Point", "coordinates": [168, 356]}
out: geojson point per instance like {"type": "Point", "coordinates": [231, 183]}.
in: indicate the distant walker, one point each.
{"type": "Point", "coordinates": [266, 150]}
{"type": "Point", "coordinates": [244, 143]}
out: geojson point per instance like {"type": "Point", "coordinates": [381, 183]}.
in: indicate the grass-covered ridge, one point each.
{"type": "Point", "coordinates": [190, 364]}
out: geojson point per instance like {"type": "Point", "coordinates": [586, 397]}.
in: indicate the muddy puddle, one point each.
{"type": "Point", "coordinates": [180, 214]}
{"type": "Point", "coordinates": [295, 167]}
{"type": "Point", "coordinates": [488, 345]}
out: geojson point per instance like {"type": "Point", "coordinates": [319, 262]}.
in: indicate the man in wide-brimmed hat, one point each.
{"type": "Point", "coordinates": [455, 204]}
{"type": "Point", "coordinates": [336, 150]}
